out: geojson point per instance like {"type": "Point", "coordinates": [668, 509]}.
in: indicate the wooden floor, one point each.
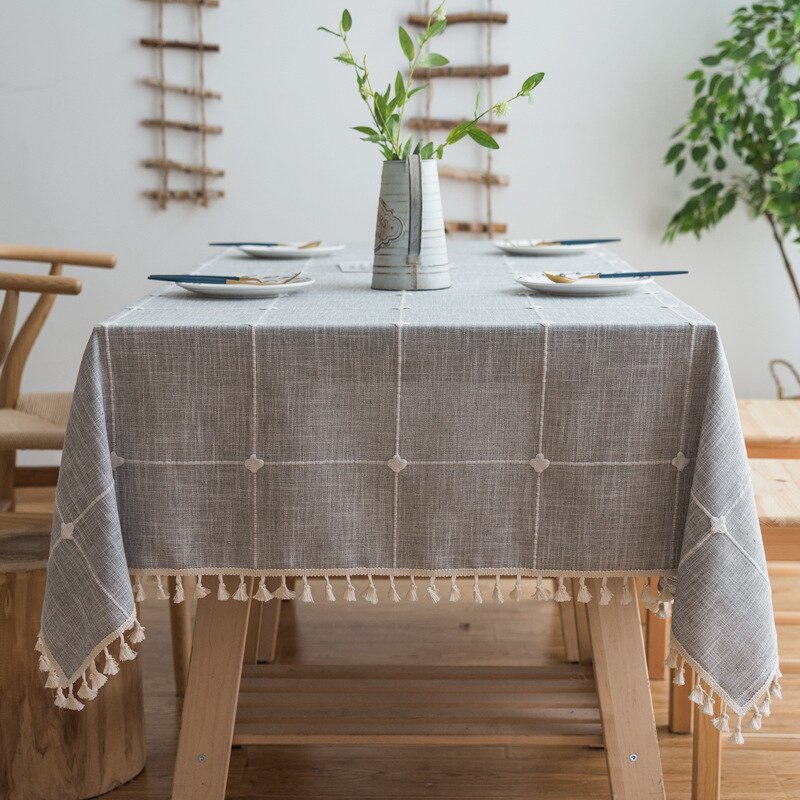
{"type": "Point", "coordinates": [525, 633]}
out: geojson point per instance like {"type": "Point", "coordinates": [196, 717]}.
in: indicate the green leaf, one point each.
{"type": "Point", "coordinates": [347, 21]}
{"type": "Point", "coordinates": [679, 165]}
{"type": "Point", "coordinates": [407, 147]}
{"type": "Point", "coordinates": [459, 132]}
{"type": "Point", "coordinates": [674, 152]}
{"type": "Point", "coordinates": [787, 167]}
{"type": "Point", "coordinates": [440, 151]}
{"type": "Point", "coordinates": [399, 88]}
{"type": "Point", "coordinates": [365, 130]}
{"type": "Point", "coordinates": [427, 150]}
{"type": "Point", "coordinates": [695, 76]}
{"type": "Point", "coordinates": [719, 163]}
{"type": "Point", "coordinates": [711, 61]}
{"type": "Point", "coordinates": [437, 28]}
{"type": "Point", "coordinates": [789, 107]}
{"type": "Point", "coordinates": [482, 138]}
{"type": "Point", "coordinates": [406, 43]}
{"type": "Point", "coordinates": [345, 59]}
{"type": "Point", "coordinates": [532, 82]}
{"type": "Point", "coordinates": [328, 30]}
{"type": "Point", "coordinates": [417, 89]}
{"type": "Point", "coordinates": [433, 60]}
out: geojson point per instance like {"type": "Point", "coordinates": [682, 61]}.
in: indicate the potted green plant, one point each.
{"type": "Point", "coordinates": [741, 136]}
{"type": "Point", "coordinates": [410, 248]}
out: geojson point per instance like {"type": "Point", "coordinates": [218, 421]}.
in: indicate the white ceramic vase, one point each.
{"type": "Point", "coordinates": [410, 247]}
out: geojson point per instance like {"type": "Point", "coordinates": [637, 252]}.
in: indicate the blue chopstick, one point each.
{"type": "Point", "coordinates": [194, 278]}
{"type": "Point", "coordinates": [642, 274]}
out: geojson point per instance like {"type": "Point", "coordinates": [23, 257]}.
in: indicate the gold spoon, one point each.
{"type": "Point", "coordinates": [560, 277]}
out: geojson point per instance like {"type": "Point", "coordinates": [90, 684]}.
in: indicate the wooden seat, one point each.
{"type": "Point", "coordinates": [46, 752]}
{"type": "Point", "coordinates": [33, 421]}
{"type": "Point", "coordinates": [771, 428]}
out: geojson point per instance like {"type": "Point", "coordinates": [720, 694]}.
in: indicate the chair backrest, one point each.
{"type": "Point", "coordinates": [14, 350]}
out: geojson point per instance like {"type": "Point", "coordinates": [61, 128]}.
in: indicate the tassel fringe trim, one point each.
{"type": "Point", "coordinates": [74, 692]}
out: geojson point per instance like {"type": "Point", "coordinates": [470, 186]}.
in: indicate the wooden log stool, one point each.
{"type": "Point", "coordinates": [47, 753]}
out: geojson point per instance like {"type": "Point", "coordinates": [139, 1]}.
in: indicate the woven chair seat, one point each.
{"type": "Point", "coordinates": [37, 423]}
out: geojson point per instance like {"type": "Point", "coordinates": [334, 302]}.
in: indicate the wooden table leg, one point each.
{"type": "Point", "coordinates": [569, 631]}
{"type": "Point", "coordinates": [657, 641]}
{"type": "Point", "coordinates": [680, 706]}
{"type": "Point", "coordinates": [209, 708]}
{"type": "Point", "coordinates": [581, 626]}
{"type": "Point", "coordinates": [706, 758]}
{"type": "Point", "coordinates": [262, 630]}
{"type": "Point", "coordinates": [180, 622]}
{"type": "Point", "coordinates": [626, 708]}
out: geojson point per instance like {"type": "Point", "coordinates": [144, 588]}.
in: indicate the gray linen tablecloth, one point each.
{"type": "Point", "coordinates": [480, 430]}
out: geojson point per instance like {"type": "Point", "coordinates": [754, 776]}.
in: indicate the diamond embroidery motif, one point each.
{"type": "Point", "coordinates": [254, 463]}
{"type": "Point", "coordinates": [680, 461]}
{"type": "Point", "coordinates": [66, 529]}
{"type": "Point", "coordinates": [116, 461]}
{"type": "Point", "coordinates": [540, 463]}
{"type": "Point", "coordinates": [718, 525]}
{"type": "Point", "coordinates": [396, 464]}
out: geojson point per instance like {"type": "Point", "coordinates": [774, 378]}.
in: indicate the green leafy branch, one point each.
{"type": "Point", "coordinates": [741, 135]}
{"type": "Point", "coordinates": [387, 108]}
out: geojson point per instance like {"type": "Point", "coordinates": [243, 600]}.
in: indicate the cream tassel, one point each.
{"type": "Point", "coordinates": [411, 594]}
{"type": "Point", "coordinates": [661, 610]}
{"type": "Point", "coordinates": [606, 595]}
{"type": "Point", "coordinates": [161, 593]}
{"type": "Point", "coordinates": [307, 596]}
{"type": "Point", "coordinates": [584, 595]}
{"type": "Point", "coordinates": [432, 591]}
{"type": "Point", "coordinates": [766, 706]}
{"type": "Point", "coordinates": [680, 675]}
{"type": "Point", "coordinates": [97, 678]}
{"type": "Point", "coordinates": [542, 592]}
{"type": "Point", "coordinates": [627, 597]}
{"type": "Point", "coordinates": [39, 646]}
{"type": "Point", "coordinates": [86, 693]}
{"type": "Point", "coordinates": [455, 592]}
{"type": "Point", "coordinates": [778, 673]}
{"type": "Point", "coordinates": [44, 664]}
{"type": "Point", "coordinates": [125, 651]}
{"type": "Point", "coordinates": [648, 598]}
{"type": "Point", "coordinates": [110, 667]}
{"type": "Point", "coordinates": [755, 720]}
{"type": "Point", "coordinates": [497, 593]}
{"type": "Point", "coordinates": [736, 736]}
{"type": "Point", "coordinates": [141, 595]}
{"type": "Point", "coordinates": [516, 592]}
{"type": "Point", "coordinates": [776, 690]}
{"type": "Point", "coordinates": [222, 591]}
{"type": "Point", "coordinates": [263, 595]}
{"type": "Point", "coordinates": [698, 696]}
{"type": "Point", "coordinates": [73, 704]}
{"type": "Point", "coordinates": [241, 591]}
{"type": "Point", "coordinates": [350, 593]}
{"type": "Point", "coordinates": [721, 723]}
{"type": "Point", "coordinates": [179, 595]}
{"type": "Point", "coordinates": [562, 595]}
{"type": "Point", "coordinates": [200, 591]}
{"type": "Point", "coordinates": [137, 635]}
{"type": "Point", "coordinates": [708, 709]}
{"type": "Point", "coordinates": [476, 590]}
{"type": "Point", "coordinates": [60, 700]}
{"type": "Point", "coordinates": [51, 682]}
{"type": "Point", "coordinates": [393, 595]}
{"type": "Point", "coordinates": [370, 594]}
{"type": "Point", "coordinates": [329, 595]}
{"type": "Point", "coordinates": [671, 661]}
{"type": "Point", "coordinates": [283, 592]}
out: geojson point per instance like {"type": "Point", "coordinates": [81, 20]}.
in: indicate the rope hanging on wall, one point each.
{"type": "Point", "coordinates": [427, 123]}
{"type": "Point", "coordinates": [200, 173]}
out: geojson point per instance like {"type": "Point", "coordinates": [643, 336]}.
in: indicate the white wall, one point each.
{"type": "Point", "coordinates": [585, 159]}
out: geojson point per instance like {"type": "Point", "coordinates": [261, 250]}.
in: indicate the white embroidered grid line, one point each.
{"type": "Point", "coordinates": [254, 422]}
{"type": "Point", "coordinates": [97, 580]}
{"type": "Point", "coordinates": [539, 474]}
{"type": "Point", "coordinates": [169, 463]}
{"type": "Point", "coordinates": [398, 398]}
{"type": "Point", "coordinates": [89, 507]}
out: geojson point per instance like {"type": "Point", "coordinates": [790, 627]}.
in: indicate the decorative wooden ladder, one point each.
{"type": "Point", "coordinates": [487, 178]}
{"type": "Point", "coordinates": [165, 165]}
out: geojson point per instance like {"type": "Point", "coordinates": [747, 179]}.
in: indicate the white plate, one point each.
{"type": "Point", "coordinates": [591, 287]}
{"type": "Point", "coordinates": [245, 289]}
{"type": "Point", "coordinates": [529, 247]}
{"type": "Point", "coordinates": [289, 251]}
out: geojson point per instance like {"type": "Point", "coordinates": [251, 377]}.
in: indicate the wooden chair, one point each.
{"type": "Point", "coordinates": [771, 428]}
{"type": "Point", "coordinates": [32, 421]}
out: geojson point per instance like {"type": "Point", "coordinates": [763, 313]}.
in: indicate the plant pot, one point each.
{"type": "Point", "coordinates": [410, 247]}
